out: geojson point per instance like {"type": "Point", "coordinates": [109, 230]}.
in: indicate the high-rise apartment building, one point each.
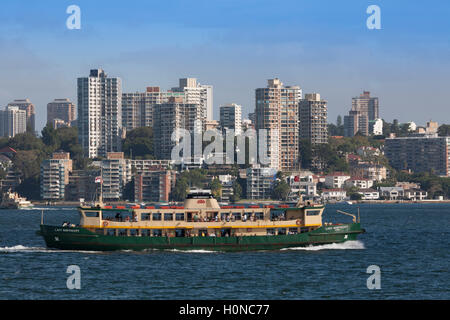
{"type": "Point", "coordinates": [137, 108]}
{"type": "Point", "coordinates": [231, 117]}
{"type": "Point", "coordinates": [99, 114]}
{"type": "Point", "coordinates": [28, 107]}
{"type": "Point", "coordinates": [426, 153]}
{"type": "Point", "coordinates": [116, 173]}
{"type": "Point", "coordinates": [355, 122]}
{"type": "Point", "coordinates": [365, 110]}
{"type": "Point", "coordinates": [55, 176]}
{"type": "Point", "coordinates": [154, 185]}
{"type": "Point", "coordinates": [277, 112]}
{"type": "Point", "coordinates": [313, 119]}
{"type": "Point", "coordinates": [61, 109]}
{"type": "Point", "coordinates": [260, 182]}
{"type": "Point", "coordinates": [367, 105]}
{"type": "Point", "coordinates": [170, 116]}
{"type": "Point", "coordinates": [13, 121]}
{"type": "Point", "coordinates": [196, 93]}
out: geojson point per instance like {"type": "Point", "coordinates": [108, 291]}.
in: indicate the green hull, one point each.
{"type": "Point", "coordinates": [82, 239]}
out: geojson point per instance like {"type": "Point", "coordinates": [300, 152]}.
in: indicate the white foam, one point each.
{"type": "Point", "coordinates": [348, 245]}
{"type": "Point", "coordinates": [192, 251]}
{"type": "Point", "coordinates": [20, 248]}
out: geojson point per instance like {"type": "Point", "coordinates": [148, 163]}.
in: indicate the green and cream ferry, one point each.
{"type": "Point", "coordinates": [200, 224]}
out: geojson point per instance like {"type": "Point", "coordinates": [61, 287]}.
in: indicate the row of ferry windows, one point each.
{"type": "Point", "coordinates": [184, 232]}
{"type": "Point", "coordinates": [178, 216]}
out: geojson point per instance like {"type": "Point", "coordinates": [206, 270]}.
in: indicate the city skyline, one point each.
{"type": "Point", "coordinates": [322, 47]}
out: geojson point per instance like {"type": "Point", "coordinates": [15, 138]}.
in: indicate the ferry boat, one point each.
{"type": "Point", "coordinates": [200, 224]}
{"type": "Point", "coordinates": [12, 200]}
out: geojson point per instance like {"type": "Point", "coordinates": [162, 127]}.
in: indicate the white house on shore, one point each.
{"type": "Point", "coordinates": [334, 194]}
{"type": "Point", "coordinates": [369, 194]}
{"type": "Point", "coordinates": [336, 180]}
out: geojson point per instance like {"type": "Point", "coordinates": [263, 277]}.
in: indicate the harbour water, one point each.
{"type": "Point", "coordinates": [408, 242]}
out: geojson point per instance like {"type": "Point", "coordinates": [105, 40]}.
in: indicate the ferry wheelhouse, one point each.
{"type": "Point", "coordinates": [199, 224]}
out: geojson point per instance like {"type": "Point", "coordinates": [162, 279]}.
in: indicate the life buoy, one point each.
{"type": "Point", "coordinates": [105, 223]}
{"type": "Point", "coordinates": [298, 222]}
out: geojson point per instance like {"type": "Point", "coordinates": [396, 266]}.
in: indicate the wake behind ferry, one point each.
{"type": "Point", "coordinates": [200, 224]}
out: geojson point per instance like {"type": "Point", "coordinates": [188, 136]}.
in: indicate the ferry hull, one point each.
{"type": "Point", "coordinates": [66, 238]}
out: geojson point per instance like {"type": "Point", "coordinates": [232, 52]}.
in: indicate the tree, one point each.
{"type": "Point", "coordinates": [305, 150]}
{"type": "Point", "coordinates": [444, 130]}
{"type": "Point", "coordinates": [26, 141]}
{"type": "Point", "coordinates": [50, 138]}
{"type": "Point", "coordinates": [128, 191]}
{"type": "Point", "coordinates": [180, 190]}
{"type": "Point", "coordinates": [139, 143]}
{"type": "Point", "coordinates": [281, 190]}
{"type": "Point", "coordinates": [216, 188]}
{"type": "Point", "coordinates": [28, 164]}
{"type": "Point", "coordinates": [355, 196]}
{"type": "Point", "coordinates": [237, 191]}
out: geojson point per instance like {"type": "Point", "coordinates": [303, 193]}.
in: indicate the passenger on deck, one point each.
{"type": "Point", "coordinates": [244, 218]}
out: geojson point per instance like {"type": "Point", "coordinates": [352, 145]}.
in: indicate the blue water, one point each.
{"type": "Point", "coordinates": [409, 242]}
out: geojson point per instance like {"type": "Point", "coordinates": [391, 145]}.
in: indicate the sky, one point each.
{"type": "Point", "coordinates": [322, 46]}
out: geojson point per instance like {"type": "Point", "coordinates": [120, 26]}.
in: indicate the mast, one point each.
{"type": "Point", "coordinates": [101, 185]}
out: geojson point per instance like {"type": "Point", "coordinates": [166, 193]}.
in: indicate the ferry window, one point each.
{"type": "Point", "coordinates": [271, 232]}
{"type": "Point", "coordinates": [168, 216]}
{"type": "Point", "coordinates": [202, 232]}
{"type": "Point", "coordinates": [111, 232]}
{"type": "Point", "coordinates": [122, 232]}
{"type": "Point", "coordinates": [100, 231]}
{"type": "Point", "coordinates": [225, 232]}
{"type": "Point", "coordinates": [259, 215]}
{"type": "Point", "coordinates": [312, 212]}
{"type": "Point", "coordinates": [146, 233]}
{"type": "Point", "coordinates": [304, 229]}
{"type": "Point", "coordinates": [293, 230]}
{"type": "Point", "coordinates": [157, 232]}
{"type": "Point", "coordinates": [92, 214]}
{"type": "Point", "coordinates": [281, 231]}
{"type": "Point", "coordinates": [237, 215]}
{"type": "Point", "coordinates": [108, 216]}
{"type": "Point", "coordinates": [145, 217]}
{"type": "Point", "coordinates": [157, 217]}
{"type": "Point", "coordinates": [134, 232]}
{"type": "Point", "coordinates": [180, 232]}
{"type": "Point", "coordinates": [277, 215]}
{"type": "Point", "coordinates": [179, 216]}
